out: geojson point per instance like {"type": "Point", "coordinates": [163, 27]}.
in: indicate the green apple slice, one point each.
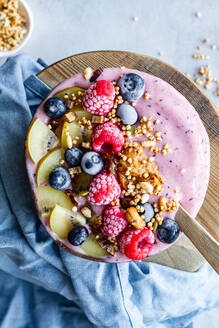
{"type": "Point", "coordinates": [62, 221]}
{"type": "Point", "coordinates": [48, 197]}
{"type": "Point", "coordinates": [92, 248]}
{"type": "Point", "coordinates": [69, 91]}
{"type": "Point", "coordinates": [49, 162]}
{"type": "Point", "coordinates": [40, 140]}
{"type": "Point", "coordinates": [74, 130]}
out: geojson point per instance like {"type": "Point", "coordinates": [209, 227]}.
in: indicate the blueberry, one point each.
{"type": "Point", "coordinates": [54, 107]}
{"type": "Point", "coordinates": [127, 113]}
{"type": "Point", "coordinates": [168, 231]}
{"type": "Point", "coordinates": [148, 211]}
{"type": "Point", "coordinates": [59, 178]}
{"type": "Point", "coordinates": [73, 156]}
{"type": "Point", "coordinates": [131, 86]}
{"type": "Point", "coordinates": [92, 163]}
{"type": "Point", "coordinates": [78, 235]}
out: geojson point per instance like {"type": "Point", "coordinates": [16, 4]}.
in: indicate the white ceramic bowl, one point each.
{"type": "Point", "coordinates": [23, 9]}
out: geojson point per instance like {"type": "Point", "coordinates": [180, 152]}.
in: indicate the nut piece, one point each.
{"type": "Point", "coordinates": [86, 211]}
{"type": "Point", "coordinates": [88, 73]}
{"type": "Point", "coordinates": [144, 198]}
{"type": "Point", "coordinates": [146, 186]}
{"type": "Point", "coordinates": [70, 117]}
{"type": "Point", "coordinates": [69, 141]}
{"type": "Point", "coordinates": [134, 218]}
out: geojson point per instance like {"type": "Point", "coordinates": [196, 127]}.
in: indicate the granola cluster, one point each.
{"type": "Point", "coordinates": [12, 25]}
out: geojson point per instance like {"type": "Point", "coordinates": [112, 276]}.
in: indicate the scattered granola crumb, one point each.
{"type": "Point", "coordinates": [182, 170]}
{"type": "Point", "coordinates": [205, 40]}
{"type": "Point", "coordinates": [161, 53]}
{"type": "Point", "coordinates": [146, 95]}
{"type": "Point", "coordinates": [213, 46]}
{"type": "Point", "coordinates": [198, 14]}
{"type": "Point", "coordinates": [135, 19]}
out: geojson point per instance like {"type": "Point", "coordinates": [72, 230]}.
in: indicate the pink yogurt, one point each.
{"type": "Point", "coordinates": [181, 128]}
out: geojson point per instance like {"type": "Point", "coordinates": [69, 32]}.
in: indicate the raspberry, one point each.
{"type": "Point", "coordinates": [103, 189]}
{"type": "Point", "coordinates": [108, 137]}
{"type": "Point", "coordinates": [99, 98]}
{"type": "Point", "coordinates": [136, 243]}
{"type": "Point", "coordinates": [114, 221]}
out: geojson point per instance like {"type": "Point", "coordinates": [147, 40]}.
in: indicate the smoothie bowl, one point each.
{"type": "Point", "coordinates": [110, 153]}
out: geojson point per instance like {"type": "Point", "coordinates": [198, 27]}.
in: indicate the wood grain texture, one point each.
{"type": "Point", "coordinates": [182, 255]}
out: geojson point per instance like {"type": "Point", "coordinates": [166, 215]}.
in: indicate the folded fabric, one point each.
{"type": "Point", "coordinates": [88, 294]}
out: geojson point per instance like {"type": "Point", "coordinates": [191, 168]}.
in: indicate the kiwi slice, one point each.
{"type": "Point", "coordinates": [69, 91]}
{"type": "Point", "coordinates": [48, 197]}
{"type": "Point", "coordinates": [81, 183]}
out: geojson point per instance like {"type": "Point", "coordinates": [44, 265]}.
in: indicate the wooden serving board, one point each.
{"type": "Point", "coordinates": [182, 255]}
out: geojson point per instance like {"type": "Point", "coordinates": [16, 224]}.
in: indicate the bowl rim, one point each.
{"type": "Point", "coordinates": [156, 65]}
{"type": "Point", "coordinates": [10, 53]}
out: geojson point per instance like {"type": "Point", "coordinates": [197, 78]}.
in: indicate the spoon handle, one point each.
{"type": "Point", "coordinates": [201, 239]}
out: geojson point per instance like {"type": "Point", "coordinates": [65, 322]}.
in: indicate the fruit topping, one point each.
{"type": "Point", "coordinates": [54, 107]}
{"type": "Point", "coordinates": [131, 86]}
{"type": "Point", "coordinates": [99, 98]}
{"type": "Point", "coordinates": [74, 94]}
{"type": "Point", "coordinates": [73, 156]}
{"type": "Point", "coordinates": [40, 140]}
{"type": "Point", "coordinates": [127, 114]}
{"type": "Point", "coordinates": [108, 138]}
{"type": "Point", "coordinates": [114, 221]}
{"type": "Point", "coordinates": [168, 231]}
{"type": "Point", "coordinates": [47, 164]}
{"type": "Point", "coordinates": [81, 183]}
{"type": "Point", "coordinates": [78, 235]}
{"type": "Point", "coordinates": [63, 220]}
{"type": "Point", "coordinates": [59, 178]}
{"type": "Point", "coordinates": [75, 134]}
{"type": "Point", "coordinates": [82, 115]}
{"type": "Point", "coordinates": [48, 197]}
{"type": "Point", "coordinates": [92, 248]}
{"type": "Point", "coordinates": [103, 189]}
{"type": "Point", "coordinates": [148, 212]}
{"type": "Point", "coordinates": [92, 163]}
{"type": "Point", "coordinates": [136, 243]}
{"type": "Point", "coordinates": [134, 218]}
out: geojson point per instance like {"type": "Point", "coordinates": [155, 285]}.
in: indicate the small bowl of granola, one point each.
{"type": "Point", "coordinates": [16, 26]}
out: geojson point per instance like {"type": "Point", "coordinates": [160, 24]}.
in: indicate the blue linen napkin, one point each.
{"type": "Point", "coordinates": [76, 292]}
